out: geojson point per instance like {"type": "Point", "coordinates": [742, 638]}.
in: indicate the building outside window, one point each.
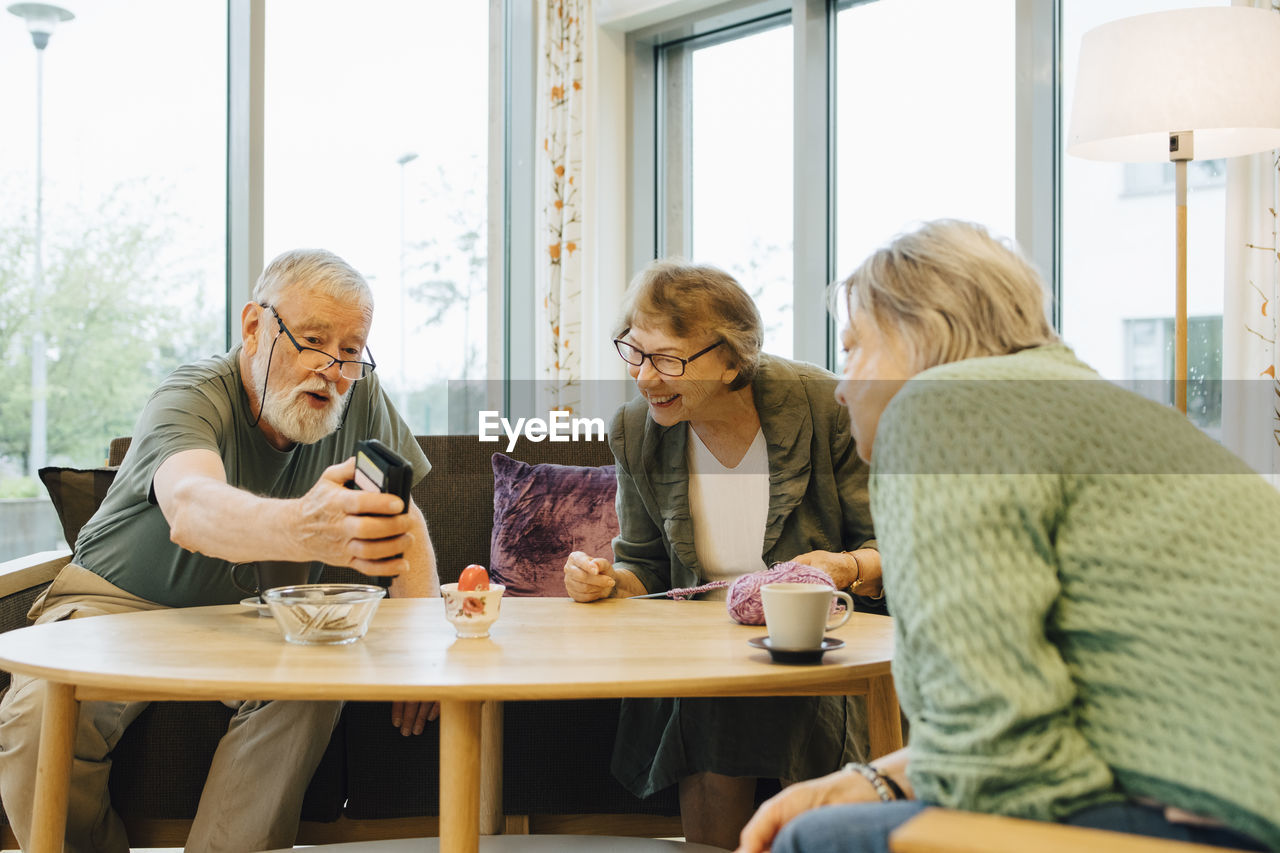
{"type": "Point", "coordinates": [1148, 364]}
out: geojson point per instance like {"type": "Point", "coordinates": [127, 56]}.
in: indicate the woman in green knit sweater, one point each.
{"type": "Point", "coordinates": [1048, 541]}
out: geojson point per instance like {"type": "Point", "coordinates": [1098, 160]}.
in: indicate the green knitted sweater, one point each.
{"type": "Point", "coordinates": [1086, 592]}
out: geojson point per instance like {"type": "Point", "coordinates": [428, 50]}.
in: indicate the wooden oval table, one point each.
{"type": "Point", "coordinates": [540, 648]}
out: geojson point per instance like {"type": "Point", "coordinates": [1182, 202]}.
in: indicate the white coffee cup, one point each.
{"type": "Point", "coordinates": [797, 614]}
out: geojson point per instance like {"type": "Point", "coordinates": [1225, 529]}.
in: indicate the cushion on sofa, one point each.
{"type": "Point", "coordinates": [540, 514]}
{"type": "Point", "coordinates": [76, 494]}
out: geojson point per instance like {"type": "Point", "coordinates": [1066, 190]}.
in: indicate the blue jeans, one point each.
{"type": "Point", "coordinates": [865, 827]}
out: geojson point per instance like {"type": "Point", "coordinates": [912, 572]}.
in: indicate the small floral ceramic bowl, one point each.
{"type": "Point", "coordinates": [472, 611]}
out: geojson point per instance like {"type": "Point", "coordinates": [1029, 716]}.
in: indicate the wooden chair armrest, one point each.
{"type": "Point", "coordinates": [937, 830]}
{"type": "Point", "coordinates": [31, 570]}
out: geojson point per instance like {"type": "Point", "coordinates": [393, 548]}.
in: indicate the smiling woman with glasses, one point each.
{"type": "Point", "coordinates": [728, 461]}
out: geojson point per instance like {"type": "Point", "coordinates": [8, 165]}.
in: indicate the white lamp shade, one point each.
{"type": "Point", "coordinates": [1214, 71]}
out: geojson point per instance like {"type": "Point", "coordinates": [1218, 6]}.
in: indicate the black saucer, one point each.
{"type": "Point", "coordinates": [796, 655]}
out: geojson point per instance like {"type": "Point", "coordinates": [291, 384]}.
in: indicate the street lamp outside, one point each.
{"type": "Point", "coordinates": [404, 160]}
{"type": "Point", "coordinates": [41, 20]}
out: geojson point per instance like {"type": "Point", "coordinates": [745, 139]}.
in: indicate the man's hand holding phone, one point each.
{"type": "Point", "coordinates": [381, 469]}
{"type": "Point", "coordinates": [366, 529]}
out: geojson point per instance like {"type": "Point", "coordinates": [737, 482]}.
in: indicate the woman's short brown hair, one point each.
{"type": "Point", "coordinates": [687, 300]}
{"type": "Point", "coordinates": [952, 291]}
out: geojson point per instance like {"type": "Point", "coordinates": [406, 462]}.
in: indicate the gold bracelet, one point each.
{"type": "Point", "coordinates": [857, 579]}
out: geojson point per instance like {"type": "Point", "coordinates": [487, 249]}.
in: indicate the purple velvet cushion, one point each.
{"type": "Point", "coordinates": [540, 514]}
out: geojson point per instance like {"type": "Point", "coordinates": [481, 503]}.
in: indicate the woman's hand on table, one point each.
{"type": "Point", "coordinates": [588, 578]}
{"type": "Point", "coordinates": [412, 717]}
{"type": "Point", "coordinates": [858, 571]}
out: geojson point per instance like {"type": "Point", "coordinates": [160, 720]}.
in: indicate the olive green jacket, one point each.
{"type": "Point", "coordinates": [817, 484]}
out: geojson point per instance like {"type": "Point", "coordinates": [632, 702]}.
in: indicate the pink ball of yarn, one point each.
{"type": "Point", "coordinates": [744, 602]}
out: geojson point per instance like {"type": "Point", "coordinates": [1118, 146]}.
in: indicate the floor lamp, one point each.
{"type": "Point", "coordinates": [1177, 86]}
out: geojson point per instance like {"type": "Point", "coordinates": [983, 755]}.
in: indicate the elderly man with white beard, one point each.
{"type": "Point", "coordinates": [237, 458]}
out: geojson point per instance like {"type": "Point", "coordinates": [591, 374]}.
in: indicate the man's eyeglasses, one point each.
{"type": "Point", "coordinates": [319, 360]}
{"type": "Point", "coordinates": [667, 365]}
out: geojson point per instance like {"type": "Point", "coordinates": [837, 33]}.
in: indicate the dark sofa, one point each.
{"type": "Point", "coordinates": [372, 782]}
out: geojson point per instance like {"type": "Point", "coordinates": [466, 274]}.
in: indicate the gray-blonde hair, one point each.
{"type": "Point", "coordinates": [316, 269]}
{"type": "Point", "coordinates": [952, 291]}
{"type": "Point", "coordinates": [687, 299]}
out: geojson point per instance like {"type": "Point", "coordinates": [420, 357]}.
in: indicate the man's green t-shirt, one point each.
{"type": "Point", "coordinates": [203, 405]}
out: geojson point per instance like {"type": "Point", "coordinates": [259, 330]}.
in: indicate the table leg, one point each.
{"type": "Point", "coordinates": [884, 719]}
{"type": "Point", "coordinates": [460, 776]}
{"type": "Point", "coordinates": [53, 768]}
{"type": "Point", "coordinates": [491, 817]}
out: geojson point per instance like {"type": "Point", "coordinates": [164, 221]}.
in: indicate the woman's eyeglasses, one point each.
{"type": "Point", "coordinates": [667, 365]}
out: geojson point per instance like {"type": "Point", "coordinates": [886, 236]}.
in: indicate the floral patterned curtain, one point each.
{"type": "Point", "coordinates": [559, 198]}
{"type": "Point", "coordinates": [1251, 392]}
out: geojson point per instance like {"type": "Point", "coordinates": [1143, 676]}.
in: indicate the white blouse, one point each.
{"type": "Point", "coordinates": [729, 507]}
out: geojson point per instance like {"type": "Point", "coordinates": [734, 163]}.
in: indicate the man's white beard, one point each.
{"type": "Point", "coordinates": [288, 412]}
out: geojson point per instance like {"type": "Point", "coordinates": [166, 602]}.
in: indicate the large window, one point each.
{"type": "Point", "coordinates": [793, 140]}
{"type": "Point", "coordinates": [925, 119]}
{"type": "Point", "coordinates": [372, 140]}
{"type": "Point", "coordinates": [375, 148]}
{"type": "Point", "coordinates": [1118, 251]}
{"type": "Point", "coordinates": [910, 110]}
{"type": "Point", "coordinates": [737, 127]}
{"type": "Point", "coordinates": [121, 274]}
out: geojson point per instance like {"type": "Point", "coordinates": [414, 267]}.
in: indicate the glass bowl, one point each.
{"type": "Point", "coordinates": [324, 613]}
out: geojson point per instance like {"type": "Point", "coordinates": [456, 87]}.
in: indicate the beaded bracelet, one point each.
{"type": "Point", "coordinates": [878, 780]}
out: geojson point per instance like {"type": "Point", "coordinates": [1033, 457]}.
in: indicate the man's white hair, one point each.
{"type": "Point", "coordinates": [316, 269]}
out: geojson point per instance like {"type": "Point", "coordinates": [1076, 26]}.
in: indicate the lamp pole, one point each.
{"type": "Point", "coordinates": [404, 160]}
{"type": "Point", "coordinates": [41, 20]}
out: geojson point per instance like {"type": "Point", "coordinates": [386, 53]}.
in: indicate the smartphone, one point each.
{"type": "Point", "coordinates": [381, 469]}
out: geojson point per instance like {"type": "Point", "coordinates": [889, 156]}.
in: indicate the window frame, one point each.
{"type": "Point", "coordinates": [246, 95]}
